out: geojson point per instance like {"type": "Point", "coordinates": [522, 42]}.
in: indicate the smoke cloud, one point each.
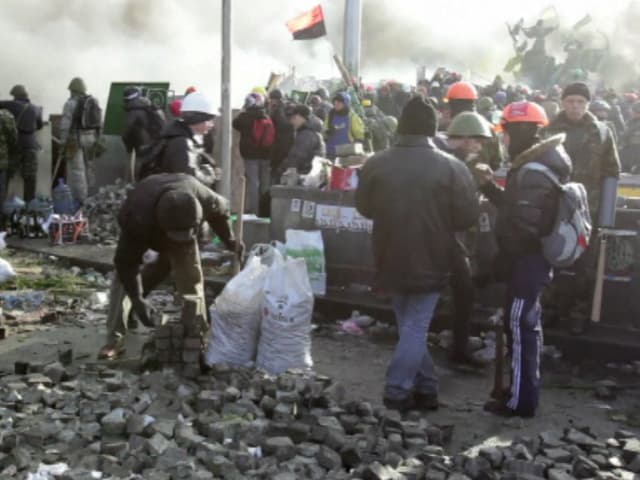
{"type": "Point", "coordinates": [47, 42]}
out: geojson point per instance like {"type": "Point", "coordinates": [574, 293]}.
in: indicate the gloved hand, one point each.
{"type": "Point", "coordinates": [236, 247]}
{"type": "Point", "coordinates": [482, 174]}
{"type": "Point", "coordinates": [143, 311]}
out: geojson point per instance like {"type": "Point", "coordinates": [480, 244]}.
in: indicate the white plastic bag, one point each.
{"type": "Point", "coordinates": [3, 242]}
{"type": "Point", "coordinates": [285, 333]}
{"type": "Point", "coordinates": [318, 175]}
{"type": "Point", "coordinates": [6, 271]}
{"type": "Point", "coordinates": [235, 315]}
{"type": "Point", "coordinates": [309, 246]}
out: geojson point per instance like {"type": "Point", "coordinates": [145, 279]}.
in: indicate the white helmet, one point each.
{"type": "Point", "coordinates": [199, 103]}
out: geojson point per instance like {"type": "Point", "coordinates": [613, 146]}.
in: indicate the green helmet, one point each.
{"type": "Point", "coordinates": [485, 104]}
{"type": "Point", "coordinates": [469, 124]}
{"type": "Point", "coordinates": [77, 85]}
{"type": "Point", "coordinates": [19, 91]}
{"type": "Point", "coordinates": [391, 123]}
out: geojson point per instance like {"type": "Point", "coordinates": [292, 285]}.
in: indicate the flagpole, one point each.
{"type": "Point", "coordinates": [225, 112]}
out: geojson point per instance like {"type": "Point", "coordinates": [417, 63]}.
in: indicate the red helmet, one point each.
{"type": "Point", "coordinates": [524, 112]}
{"type": "Point", "coordinates": [462, 91]}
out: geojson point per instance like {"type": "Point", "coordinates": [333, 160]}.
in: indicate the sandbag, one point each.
{"type": "Point", "coordinates": [235, 317]}
{"type": "Point", "coordinates": [285, 332]}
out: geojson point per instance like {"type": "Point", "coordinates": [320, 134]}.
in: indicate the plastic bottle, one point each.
{"type": "Point", "coordinates": [63, 203]}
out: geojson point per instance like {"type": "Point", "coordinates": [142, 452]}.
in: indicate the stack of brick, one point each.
{"type": "Point", "coordinates": [180, 343]}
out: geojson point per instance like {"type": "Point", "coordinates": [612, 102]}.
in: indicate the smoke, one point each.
{"type": "Point", "coordinates": [46, 43]}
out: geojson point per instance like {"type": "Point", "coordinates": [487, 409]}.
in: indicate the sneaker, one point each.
{"type": "Point", "coordinates": [401, 405]}
{"type": "Point", "coordinates": [426, 401]}
{"type": "Point", "coordinates": [501, 409]}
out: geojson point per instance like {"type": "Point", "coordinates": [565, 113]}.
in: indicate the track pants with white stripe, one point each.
{"type": "Point", "coordinates": [530, 274]}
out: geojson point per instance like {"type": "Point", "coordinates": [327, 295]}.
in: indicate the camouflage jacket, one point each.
{"type": "Point", "coordinates": [8, 138]}
{"type": "Point", "coordinates": [590, 144]}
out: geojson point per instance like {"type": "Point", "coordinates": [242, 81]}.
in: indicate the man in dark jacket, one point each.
{"type": "Point", "coordinates": [256, 152]}
{"type": "Point", "coordinates": [162, 213]}
{"type": "Point", "coordinates": [589, 142]}
{"type": "Point", "coordinates": [284, 134]}
{"type": "Point", "coordinates": [417, 197]}
{"type": "Point", "coordinates": [527, 210]}
{"type": "Point", "coordinates": [464, 139]}
{"type": "Point", "coordinates": [28, 119]}
{"type": "Point", "coordinates": [181, 151]}
{"type": "Point", "coordinates": [308, 143]}
{"type": "Point", "coordinates": [143, 123]}
{"type": "Point", "coordinates": [630, 141]}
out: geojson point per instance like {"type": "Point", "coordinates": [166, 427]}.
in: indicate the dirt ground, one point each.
{"type": "Point", "coordinates": [360, 364]}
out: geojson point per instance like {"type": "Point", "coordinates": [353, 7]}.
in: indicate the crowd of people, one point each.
{"type": "Point", "coordinates": [435, 148]}
{"type": "Point", "coordinates": [434, 178]}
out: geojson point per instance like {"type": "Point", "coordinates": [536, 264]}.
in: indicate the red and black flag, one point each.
{"type": "Point", "coordinates": [308, 25]}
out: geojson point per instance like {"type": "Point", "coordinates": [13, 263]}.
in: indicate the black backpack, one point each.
{"type": "Point", "coordinates": [149, 159]}
{"type": "Point", "coordinates": [88, 114]}
{"type": "Point", "coordinates": [155, 121]}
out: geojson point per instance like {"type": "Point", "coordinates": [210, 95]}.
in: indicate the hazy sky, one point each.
{"type": "Point", "coordinates": [46, 42]}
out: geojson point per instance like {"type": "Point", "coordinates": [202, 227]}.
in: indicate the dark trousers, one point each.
{"type": "Point", "coordinates": [529, 276]}
{"type": "Point", "coordinates": [462, 290]}
{"type": "Point", "coordinates": [4, 185]}
{"type": "Point", "coordinates": [29, 171]}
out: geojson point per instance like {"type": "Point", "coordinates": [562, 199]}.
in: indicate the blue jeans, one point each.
{"type": "Point", "coordinates": [411, 367]}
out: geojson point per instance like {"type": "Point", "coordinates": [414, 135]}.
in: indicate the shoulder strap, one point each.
{"type": "Point", "coordinates": [603, 130]}
{"type": "Point", "coordinates": [546, 171]}
{"type": "Point", "coordinates": [22, 112]}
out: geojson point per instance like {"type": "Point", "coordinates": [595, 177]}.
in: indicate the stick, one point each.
{"type": "Point", "coordinates": [498, 378]}
{"type": "Point", "coordinates": [239, 230]}
{"type": "Point", "coordinates": [596, 308]}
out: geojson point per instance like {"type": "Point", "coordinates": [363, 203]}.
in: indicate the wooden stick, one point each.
{"type": "Point", "coordinates": [498, 379]}
{"type": "Point", "coordinates": [238, 227]}
{"type": "Point", "coordinates": [596, 308]}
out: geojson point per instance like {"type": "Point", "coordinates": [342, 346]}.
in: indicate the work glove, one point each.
{"type": "Point", "coordinates": [143, 311]}
{"type": "Point", "coordinates": [482, 173]}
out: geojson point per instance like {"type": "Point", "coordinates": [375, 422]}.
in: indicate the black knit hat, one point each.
{"type": "Point", "coordinates": [301, 110]}
{"type": "Point", "coordinates": [578, 88]}
{"type": "Point", "coordinates": [418, 118]}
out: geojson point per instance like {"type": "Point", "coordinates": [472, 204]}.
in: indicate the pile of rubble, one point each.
{"type": "Point", "coordinates": [231, 423]}
{"type": "Point", "coordinates": [102, 210]}
{"type": "Point", "coordinates": [234, 423]}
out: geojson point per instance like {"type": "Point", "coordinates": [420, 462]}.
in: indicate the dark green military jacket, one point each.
{"type": "Point", "coordinates": [591, 146]}
{"type": "Point", "coordinates": [8, 138]}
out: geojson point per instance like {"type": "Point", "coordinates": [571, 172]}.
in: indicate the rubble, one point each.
{"type": "Point", "coordinates": [102, 211]}
{"type": "Point", "coordinates": [237, 422]}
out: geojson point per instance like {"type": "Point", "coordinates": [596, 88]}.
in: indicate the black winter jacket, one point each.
{"type": "Point", "coordinates": [139, 226]}
{"type": "Point", "coordinates": [284, 136]}
{"type": "Point", "coordinates": [417, 197]}
{"type": "Point", "coordinates": [28, 120]}
{"type": "Point", "coordinates": [308, 143]}
{"type": "Point", "coordinates": [528, 204]}
{"type": "Point", "coordinates": [243, 123]}
{"type": "Point", "coordinates": [182, 153]}
{"type": "Point", "coordinates": [138, 125]}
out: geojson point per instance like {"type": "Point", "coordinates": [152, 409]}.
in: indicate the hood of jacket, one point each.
{"type": "Point", "coordinates": [137, 103]}
{"type": "Point", "coordinates": [550, 153]}
{"type": "Point", "coordinates": [177, 128]}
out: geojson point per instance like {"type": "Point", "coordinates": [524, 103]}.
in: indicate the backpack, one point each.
{"type": "Point", "coordinates": [149, 158]}
{"type": "Point", "coordinates": [569, 237]}
{"type": "Point", "coordinates": [263, 133]}
{"type": "Point", "coordinates": [155, 121]}
{"type": "Point", "coordinates": [88, 114]}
